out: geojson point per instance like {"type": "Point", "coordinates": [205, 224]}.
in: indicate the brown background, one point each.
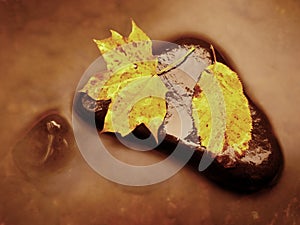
{"type": "Point", "coordinates": [47, 45]}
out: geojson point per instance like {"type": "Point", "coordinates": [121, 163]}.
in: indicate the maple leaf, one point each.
{"type": "Point", "coordinates": [136, 92]}
{"type": "Point", "coordinates": [221, 110]}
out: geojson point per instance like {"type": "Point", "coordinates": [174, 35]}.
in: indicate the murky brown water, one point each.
{"type": "Point", "coordinates": [47, 45]}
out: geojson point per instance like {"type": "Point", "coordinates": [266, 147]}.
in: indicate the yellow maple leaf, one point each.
{"type": "Point", "coordinates": [221, 110]}
{"type": "Point", "coordinates": [141, 101]}
{"type": "Point", "coordinates": [136, 92]}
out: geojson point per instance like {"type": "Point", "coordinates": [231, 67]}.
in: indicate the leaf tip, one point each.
{"type": "Point", "coordinates": [133, 24]}
{"type": "Point", "coordinates": [136, 33]}
{"type": "Point", "coordinates": [115, 35]}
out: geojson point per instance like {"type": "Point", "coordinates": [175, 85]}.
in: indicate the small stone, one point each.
{"type": "Point", "coordinates": [46, 148]}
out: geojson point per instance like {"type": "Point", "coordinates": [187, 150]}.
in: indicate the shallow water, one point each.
{"type": "Point", "coordinates": [47, 45]}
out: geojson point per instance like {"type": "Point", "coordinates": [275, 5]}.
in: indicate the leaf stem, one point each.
{"type": "Point", "coordinates": [214, 53]}
{"type": "Point", "coordinates": [177, 62]}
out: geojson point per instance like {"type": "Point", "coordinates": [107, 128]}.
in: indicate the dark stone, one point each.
{"type": "Point", "coordinates": [46, 148]}
{"type": "Point", "coordinates": [260, 166]}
